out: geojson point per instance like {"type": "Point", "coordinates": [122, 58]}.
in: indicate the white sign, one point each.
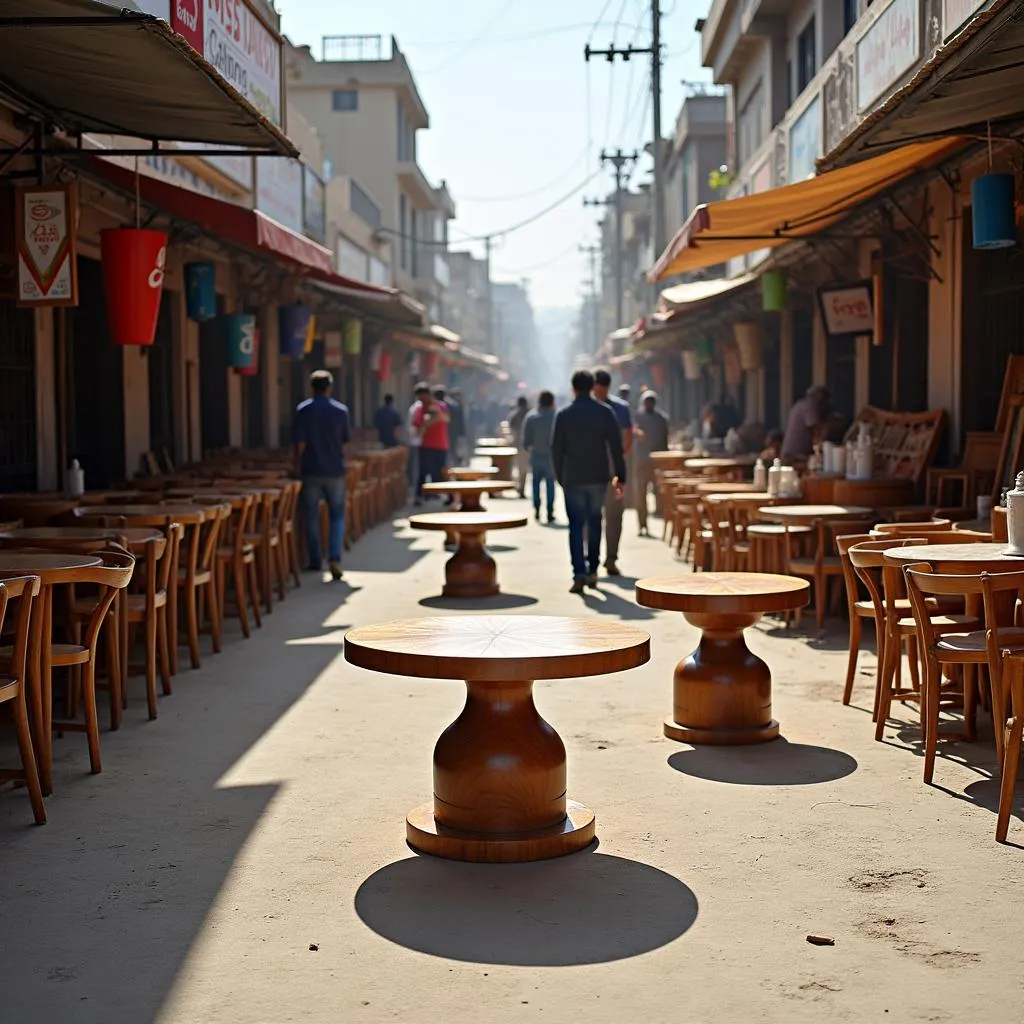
{"type": "Point", "coordinates": [46, 225]}
{"type": "Point", "coordinates": [237, 168]}
{"type": "Point", "coordinates": [956, 12]}
{"type": "Point", "coordinates": [887, 50]}
{"type": "Point", "coordinates": [848, 310]}
{"type": "Point", "coordinates": [245, 52]}
{"type": "Point", "coordinates": [279, 190]}
{"type": "Point", "coordinates": [332, 349]}
{"type": "Point", "coordinates": [805, 142]}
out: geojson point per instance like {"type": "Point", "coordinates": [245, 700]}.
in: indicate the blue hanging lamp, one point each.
{"type": "Point", "coordinates": [992, 200]}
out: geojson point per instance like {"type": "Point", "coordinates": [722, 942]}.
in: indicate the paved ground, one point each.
{"type": "Point", "coordinates": [263, 812]}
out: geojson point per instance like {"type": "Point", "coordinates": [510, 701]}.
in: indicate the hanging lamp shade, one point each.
{"type": "Point", "coordinates": [691, 364]}
{"type": "Point", "coordinates": [133, 262]}
{"type": "Point", "coordinates": [293, 325]}
{"type": "Point", "coordinates": [240, 329]}
{"type": "Point", "coordinates": [750, 345]}
{"type": "Point", "coordinates": [773, 291]}
{"type": "Point", "coordinates": [384, 367]}
{"type": "Point", "coordinates": [201, 290]}
{"type": "Point", "coordinates": [254, 364]}
{"type": "Point", "coordinates": [992, 198]}
{"type": "Point", "coordinates": [431, 363]}
{"type": "Point", "coordinates": [352, 334]}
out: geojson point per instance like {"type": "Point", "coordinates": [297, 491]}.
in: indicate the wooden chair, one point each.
{"type": "Point", "coordinates": [13, 683]}
{"type": "Point", "coordinates": [238, 554]}
{"type": "Point", "coordinates": [1012, 729]}
{"type": "Point", "coordinates": [857, 609]}
{"type": "Point", "coordinates": [975, 475]}
{"type": "Point", "coordinates": [265, 539]}
{"type": "Point", "coordinates": [289, 539]}
{"type": "Point", "coordinates": [928, 528]}
{"type": "Point", "coordinates": [966, 648]}
{"type": "Point", "coordinates": [198, 583]}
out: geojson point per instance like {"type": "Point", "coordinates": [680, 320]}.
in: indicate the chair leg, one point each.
{"type": "Point", "coordinates": [28, 758]}
{"type": "Point", "coordinates": [915, 676]}
{"type": "Point", "coordinates": [879, 667]}
{"type": "Point", "coordinates": [889, 670]}
{"type": "Point", "coordinates": [192, 626]}
{"type": "Point", "coordinates": [820, 597]}
{"type": "Point", "coordinates": [1012, 737]}
{"type": "Point", "coordinates": [215, 616]}
{"type": "Point", "coordinates": [165, 651]}
{"type": "Point", "coordinates": [241, 597]}
{"type": "Point", "coordinates": [172, 628]}
{"type": "Point", "coordinates": [932, 684]}
{"type": "Point", "coordinates": [118, 686]}
{"type": "Point", "coordinates": [151, 631]}
{"type": "Point", "coordinates": [851, 667]}
{"type": "Point", "coordinates": [92, 724]}
{"type": "Point", "coordinates": [254, 594]}
{"type": "Point", "coordinates": [280, 571]}
{"type": "Point", "coordinates": [970, 701]}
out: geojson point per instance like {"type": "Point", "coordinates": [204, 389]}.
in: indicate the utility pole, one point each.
{"type": "Point", "coordinates": [489, 296]}
{"type": "Point", "coordinates": [592, 251]}
{"type": "Point", "coordinates": [654, 52]}
{"type": "Point", "coordinates": [618, 160]}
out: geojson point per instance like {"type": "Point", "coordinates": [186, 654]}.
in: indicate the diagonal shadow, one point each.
{"type": "Point", "coordinates": [397, 555]}
{"type": "Point", "coordinates": [132, 860]}
{"type": "Point", "coordinates": [607, 602]}
{"type": "Point", "coordinates": [490, 604]}
{"type": "Point", "coordinates": [584, 909]}
{"type": "Point", "coordinates": [778, 763]}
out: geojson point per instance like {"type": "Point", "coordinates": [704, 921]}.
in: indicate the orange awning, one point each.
{"type": "Point", "coordinates": [717, 232]}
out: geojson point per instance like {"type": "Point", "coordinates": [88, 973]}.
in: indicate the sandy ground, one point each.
{"type": "Point", "coordinates": [264, 812]}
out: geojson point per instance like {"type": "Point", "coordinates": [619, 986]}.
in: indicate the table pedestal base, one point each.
{"type": "Point", "coordinates": [503, 464]}
{"type": "Point", "coordinates": [470, 572]}
{"type": "Point", "coordinates": [722, 693]}
{"type": "Point", "coordinates": [499, 784]}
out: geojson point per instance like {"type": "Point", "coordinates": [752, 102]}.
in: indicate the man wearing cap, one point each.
{"type": "Point", "coordinates": [615, 500]}
{"type": "Point", "coordinates": [651, 436]}
{"type": "Point", "coordinates": [320, 432]}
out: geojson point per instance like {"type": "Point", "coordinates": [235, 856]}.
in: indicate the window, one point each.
{"type": "Point", "coordinates": [752, 127]}
{"type": "Point", "coordinates": [345, 99]}
{"type": "Point", "coordinates": [849, 14]}
{"type": "Point", "coordinates": [404, 245]}
{"type": "Point", "coordinates": [414, 242]}
{"type": "Point", "coordinates": [806, 57]}
{"type": "Point", "coordinates": [402, 155]}
{"type": "Point", "coordinates": [687, 169]}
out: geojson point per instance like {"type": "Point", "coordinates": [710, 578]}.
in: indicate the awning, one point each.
{"type": "Point", "coordinates": [89, 67]}
{"type": "Point", "coordinates": [387, 304]}
{"type": "Point", "coordinates": [717, 232]}
{"type": "Point", "coordinates": [470, 356]}
{"type": "Point", "coordinates": [973, 80]}
{"type": "Point", "coordinates": [694, 294]}
{"type": "Point", "coordinates": [247, 228]}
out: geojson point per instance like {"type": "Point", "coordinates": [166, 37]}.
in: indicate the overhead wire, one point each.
{"type": "Point", "coordinates": [471, 43]}
{"type": "Point", "coordinates": [534, 191]}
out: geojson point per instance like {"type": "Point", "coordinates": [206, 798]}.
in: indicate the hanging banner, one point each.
{"type": "Point", "coordinates": [240, 329]}
{"type": "Point", "coordinates": [332, 349]}
{"type": "Point", "coordinates": [46, 219]}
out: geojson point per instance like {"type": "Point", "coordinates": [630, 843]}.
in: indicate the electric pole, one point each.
{"type": "Point", "coordinates": [489, 297]}
{"type": "Point", "coordinates": [618, 160]}
{"type": "Point", "coordinates": [654, 51]}
{"type": "Point", "coordinates": [595, 313]}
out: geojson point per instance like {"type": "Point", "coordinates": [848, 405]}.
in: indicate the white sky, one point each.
{"type": "Point", "coordinates": [518, 118]}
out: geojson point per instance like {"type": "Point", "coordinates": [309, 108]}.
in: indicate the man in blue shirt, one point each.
{"type": "Point", "coordinates": [615, 501]}
{"type": "Point", "coordinates": [320, 432]}
{"type": "Point", "coordinates": [387, 421]}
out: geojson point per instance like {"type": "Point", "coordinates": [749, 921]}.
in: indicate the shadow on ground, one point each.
{"type": "Point", "coordinates": [104, 902]}
{"type": "Point", "coordinates": [500, 602]}
{"type": "Point", "coordinates": [584, 909]}
{"type": "Point", "coordinates": [396, 556]}
{"type": "Point", "coordinates": [778, 763]}
{"type": "Point", "coordinates": [607, 602]}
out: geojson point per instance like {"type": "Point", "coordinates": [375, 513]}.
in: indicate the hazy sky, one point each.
{"type": "Point", "coordinates": [518, 118]}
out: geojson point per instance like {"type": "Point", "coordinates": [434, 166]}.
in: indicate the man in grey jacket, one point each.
{"type": "Point", "coordinates": [537, 429]}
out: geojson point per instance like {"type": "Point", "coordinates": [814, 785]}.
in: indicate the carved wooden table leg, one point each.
{"type": "Point", "coordinates": [499, 784]}
{"type": "Point", "coordinates": [470, 572]}
{"type": "Point", "coordinates": [503, 463]}
{"type": "Point", "coordinates": [722, 693]}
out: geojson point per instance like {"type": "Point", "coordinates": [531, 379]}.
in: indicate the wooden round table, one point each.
{"type": "Point", "coordinates": [468, 492]}
{"type": "Point", "coordinates": [499, 768]}
{"type": "Point", "coordinates": [807, 514]}
{"type": "Point", "coordinates": [981, 528]}
{"type": "Point", "coordinates": [472, 472]}
{"type": "Point", "coordinates": [471, 571]}
{"type": "Point", "coordinates": [737, 462]}
{"type": "Point", "coordinates": [137, 537]}
{"type": "Point", "coordinates": [726, 487]}
{"type": "Point", "coordinates": [672, 459]}
{"type": "Point", "coordinates": [491, 442]}
{"type": "Point", "coordinates": [958, 559]}
{"type": "Point", "coordinates": [722, 693]}
{"type": "Point", "coordinates": [501, 458]}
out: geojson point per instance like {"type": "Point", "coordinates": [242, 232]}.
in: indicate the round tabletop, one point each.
{"type": "Point", "coordinates": [490, 442]}
{"type": "Point", "coordinates": [669, 456]}
{"type": "Point", "coordinates": [498, 452]}
{"type": "Point", "coordinates": [724, 592]}
{"type": "Point", "coordinates": [807, 513]}
{"type": "Point", "coordinates": [497, 648]}
{"type": "Point", "coordinates": [468, 486]}
{"type": "Point", "coordinates": [128, 511]}
{"type": "Point", "coordinates": [471, 472]}
{"type": "Point", "coordinates": [740, 497]}
{"type": "Point", "coordinates": [466, 521]}
{"type": "Point", "coordinates": [102, 497]}
{"type": "Point", "coordinates": [38, 563]}
{"type": "Point", "coordinates": [737, 462]}
{"type": "Point", "coordinates": [724, 487]}
{"type": "Point", "coordinates": [132, 534]}
{"type": "Point", "coordinates": [958, 557]}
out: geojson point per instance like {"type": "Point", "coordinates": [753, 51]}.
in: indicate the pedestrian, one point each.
{"type": "Point", "coordinates": [651, 436]}
{"type": "Point", "coordinates": [805, 423]}
{"type": "Point", "coordinates": [615, 499]}
{"type": "Point", "coordinates": [388, 422]}
{"type": "Point", "coordinates": [413, 466]}
{"type": "Point", "coordinates": [320, 432]}
{"type": "Point", "coordinates": [586, 441]}
{"type": "Point", "coordinates": [515, 424]}
{"type": "Point", "coordinates": [430, 421]}
{"type": "Point", "coordinates": [537, 430]}
{"type": "Point", "coordinates": [456, 428]}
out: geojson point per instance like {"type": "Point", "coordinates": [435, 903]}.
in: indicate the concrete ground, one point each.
{"type": "Point", "coordinates": [262, 815]}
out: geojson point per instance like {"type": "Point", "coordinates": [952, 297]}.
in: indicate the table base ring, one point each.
{"type": "Point", "coordinates": [425, 835]}
{"type": "Point", "coordinates": [720, 737]}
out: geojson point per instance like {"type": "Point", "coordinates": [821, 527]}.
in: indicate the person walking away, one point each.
{"type": "Point", "coordinates": [651, 436]}
{"type": "Point", "coordinates": [388, 422]}
{"type": "Point", "coordinates": [615, 500]}
{"type": "Point", "coordinates": [414, 443]}
{"type": "Point", "coordinates": [457, 428]}
{"type": "Point", "coordinates": [430, 420]}
{"type": "Point", "coordinates": [586, 441]}
{"type": "Point", "coordinates": [537, 430]}
{"type": "Point", "coordinates": [515, 423]}
{"type": "Point", "coordinates": [320, 432]}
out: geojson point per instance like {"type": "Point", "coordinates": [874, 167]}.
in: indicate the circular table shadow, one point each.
{"type": "Point", "coordinates": [583, 909]}
{"type": "Point", "coordinates": [490, 604]}
{"type": "Point", "coordinates": [778, 763]}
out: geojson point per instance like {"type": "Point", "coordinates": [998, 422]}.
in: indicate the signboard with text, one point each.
{"type": "Point", "coordinates": [848, 309]}
{"type": "Point", "coordinates": [314, 205]}
{"type": "Point", "coordinates": [45, 219]}
{"type": "Point", "coordinates": [887, 50]}
{"type": "Point", "coordinates": [233, 38]}
{"type": "Point", "coordinates": [279, 190]}
{"type": "Point", "coordinates": [956, 12]}
{"type": "Point", "coordinates": [805, 142]}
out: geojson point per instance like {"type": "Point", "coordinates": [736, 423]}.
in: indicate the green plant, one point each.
{"type": "Point", "coordinates": [721, 178]}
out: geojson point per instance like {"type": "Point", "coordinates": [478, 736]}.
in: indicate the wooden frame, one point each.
{"type": "Point", "coordinates": [1013, 447]}
{"type": "Point", "coordinates": [905, 442]}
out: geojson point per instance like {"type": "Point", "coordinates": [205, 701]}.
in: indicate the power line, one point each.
{"type": "Point", "coordinates": [551, 261]}
{"type": "Point", "coordinates": [533, 192]}
{"type": "Point", "coordinates": [518, 37]}
{"type": "Point", "coordinates": [471, 43]}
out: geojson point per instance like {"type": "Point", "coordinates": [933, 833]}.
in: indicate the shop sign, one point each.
{"type": "Point", "coordinates": [887, 50]}
{"type": "Point", "coordinates": [237, 168]}
{"type": "Point", "coordinates": [314, 206]}
{"type": "Point", "coordinates": [956, 12]}
{"type": "Point", "coordinates": [805, 142]}
{"type": "Point", "coordinates": [232, 37]}
{"type": "Point", "coordinates": [332, 349]}
{"type": "Point", "coordinates": [279, 190]}
{"type": "Point", "coordinates": [848, 309]}
{"type": "Point", "coordinates": [46, 223]}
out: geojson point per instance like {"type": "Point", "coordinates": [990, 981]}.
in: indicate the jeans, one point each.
{"type": "Point", "coordinates": [522, 468]}
{"type": "Point", "coordinates": [413, 467]}
{"type": "Point", "coordinates": [541, 469]}
{"type": "Point", "coordinates": [432, 464]}
{"type": "Point", "coordinates": [614, 507]}
{"type": "Point", "coordinates": [583, 505]}
{"type": "Point", "coordinates": [645, 479]}
{"type": "Point", "coordinates": [332, 490]}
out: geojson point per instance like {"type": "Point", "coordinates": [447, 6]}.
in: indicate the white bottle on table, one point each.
{"type": "Point", "coordinates": [760, 475]}
{"type": "Point", "coordinates": [1015, 516]}
{"type": "Point", "coordinates": [75, 485]}
{"type": "Point", "coordinates": [775, 478]}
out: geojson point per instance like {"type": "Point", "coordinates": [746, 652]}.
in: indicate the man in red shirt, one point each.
{"type": "Point", "coordinates": [430, 421]}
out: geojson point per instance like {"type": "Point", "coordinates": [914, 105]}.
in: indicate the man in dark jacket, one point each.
{"type": "Point", "coordinates": [585, 441]}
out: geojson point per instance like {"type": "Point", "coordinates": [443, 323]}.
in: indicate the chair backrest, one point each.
{"type": "Point", "coordinates": [843, 545]}
{"type": "Point", "coordinates": [10, 524]}
{"type": "Point", "coordinates": [882, 581]}
{"type": "Point", "coordinates": [921, 529]}
{"type": "Point", "coordinates": [23, 589]}
{"type": "Point", "coordinates": [981, 451]}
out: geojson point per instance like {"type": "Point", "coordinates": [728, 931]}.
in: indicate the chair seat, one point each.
{"type": "Point", "coordinates": [136, 604]}
{"type": "Point", "coordinates": [62, 655]}
{"type": "Point", "coordinates": [202, 576]}
{"type": "Point", "coordinates": [228, 553]}
{"type": "Point", "coordinates": [775, 529]}
{"type": "Point", "coordinates": [1011, 637]}
{"type": "Point", "coordinates": [940, 621]}
{"type": "Point", "coordinates": [941, 605]}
